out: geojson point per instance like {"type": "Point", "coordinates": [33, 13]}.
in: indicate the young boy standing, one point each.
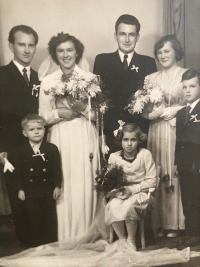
{"type": "Point", "coordinates": [187, 156]}
{"type": "Point", "coordinates": [38, 181]}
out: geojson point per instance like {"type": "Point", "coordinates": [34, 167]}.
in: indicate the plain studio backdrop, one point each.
{"type": "Point", "coordinates": [91, 21]}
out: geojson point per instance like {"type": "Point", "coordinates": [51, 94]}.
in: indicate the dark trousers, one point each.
{"type": "Point", "coordinates": [18, 208]}
{"type": "Point", "coordinates": [42, 220]}
{"type": "Point", "coordinates": [190, 195]}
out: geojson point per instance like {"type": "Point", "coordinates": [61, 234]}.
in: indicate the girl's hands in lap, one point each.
{"type": "Point", "coordinates": [67, 114]}
{"type": "Point", "coordinates": [123, 193]}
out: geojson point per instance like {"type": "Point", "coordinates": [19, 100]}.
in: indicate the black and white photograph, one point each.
{"type": "Point", "coordinates": [99, 133]}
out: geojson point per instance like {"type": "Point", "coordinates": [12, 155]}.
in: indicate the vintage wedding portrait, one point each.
{"type": "Point", "coordinates": [99, 133]}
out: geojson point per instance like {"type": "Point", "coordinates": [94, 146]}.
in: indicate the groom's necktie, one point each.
{"type": "Point", "coordinates": [125, 62]}
{"type": "Point", "coordinates": [25, 75]}
{"type": "Point", "coordinates": [187, 114]}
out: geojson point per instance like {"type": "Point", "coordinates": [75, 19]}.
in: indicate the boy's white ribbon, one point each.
{"type": "Point", "coordinates": [39, 154]}
{"type": "Point", "coordinates": [194, 118]}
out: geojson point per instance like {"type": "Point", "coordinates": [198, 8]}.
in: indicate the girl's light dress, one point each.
{"type": "Point", "coordinates": [141, 173]}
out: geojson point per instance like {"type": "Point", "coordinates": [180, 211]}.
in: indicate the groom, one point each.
{"type": "Point", "coordinates": [18, 97]}
{"type": "Point", "coordinates": [123, 73]}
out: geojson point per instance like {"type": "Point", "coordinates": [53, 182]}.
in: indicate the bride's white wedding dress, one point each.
{"type": "Point", "coordinates": [77, 205]}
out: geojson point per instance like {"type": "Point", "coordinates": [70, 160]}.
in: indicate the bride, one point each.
{"type": "Point", "coordinates": [69, 130]}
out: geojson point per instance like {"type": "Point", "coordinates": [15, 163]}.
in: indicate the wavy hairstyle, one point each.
{"type": "Point", "coordinates": [176, 45]}
{"type": "Point", "coordinates": [130, 127]}
{"type": "Point", "coordinates": [55, 41]}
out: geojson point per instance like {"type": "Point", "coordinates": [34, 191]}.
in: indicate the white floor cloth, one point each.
{"type": "Point", "coordinates": [98, 254]}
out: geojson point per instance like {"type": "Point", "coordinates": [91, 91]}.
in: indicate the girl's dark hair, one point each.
{"type": "Point", "coordinates": [176, 45]}
{"type": "Point", "coordinates": [130, 127]}
{"type": "Point", "coordinates": [61, 38]}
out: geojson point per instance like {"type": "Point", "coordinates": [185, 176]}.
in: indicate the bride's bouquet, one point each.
{"type": "Point", "coordinates": [75, 86]}
{"type": "Point", "coordinates": [146, 98]}
{"type": "Point", "coordinates": [110, 180]}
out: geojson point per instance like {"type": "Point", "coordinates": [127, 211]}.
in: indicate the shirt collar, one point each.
{"type": "Point", "coordinates": [129, 58]}
{"type": "Point", "coordinates": [20, 67]}
{"type": "Point", "coordinates": [193, 105]}
{"type": "Point", "coordinates": [34, 146]}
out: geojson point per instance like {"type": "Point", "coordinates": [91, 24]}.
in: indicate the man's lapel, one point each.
{"type": "Point", "coordinates": [16, 74]}
{"type": "Point", "coordinates": [117, 64]}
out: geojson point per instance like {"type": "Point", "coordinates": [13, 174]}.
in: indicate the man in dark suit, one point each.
{"type": "Point", "coordinates": [18, 97]}
{"type": "Point", "coordinates": [187, 156]}
{"type": "Point", "coordinates": [123, 73]}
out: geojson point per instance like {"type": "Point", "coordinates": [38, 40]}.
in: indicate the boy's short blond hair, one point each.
{"type": "Point", "coordinates": [32, 118]}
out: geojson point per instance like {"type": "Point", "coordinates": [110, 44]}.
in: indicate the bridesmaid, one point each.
{"type": "Point", "coordinates": [161, 137]}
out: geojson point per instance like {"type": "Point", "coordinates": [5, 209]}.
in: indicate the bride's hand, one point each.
{"type": "Point", "coordinates": [168, 113]}
{"type": "Point", "coordinates": [67, 114]}
{"type": "Point", "coordinates": [78, 105]}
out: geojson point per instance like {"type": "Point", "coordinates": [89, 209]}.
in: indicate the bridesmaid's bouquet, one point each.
{"type": "Point", "coordinates": [110, 180]}
{"type": "Point", "coordinates": [145, 98]}
{"type": "Point", "coordinates": [75, 86]}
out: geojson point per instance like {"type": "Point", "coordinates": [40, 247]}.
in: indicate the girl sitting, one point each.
{"type": "Point", "coordinates": [122, 209]}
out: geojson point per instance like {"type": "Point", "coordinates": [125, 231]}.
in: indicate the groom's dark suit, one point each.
{"type": "Point", "coordinates": [122, 85]}
{"type": "Point", "coordinates": [16, 100]}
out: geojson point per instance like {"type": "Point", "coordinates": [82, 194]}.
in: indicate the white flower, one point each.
{"type": "Point", "coordinates": [93, 90]}
{"type": "Point", "coordinates": [138, 94]}
{"type": "Point", "coordinates": [146, 80]}
{"type": "Point", "coordinates": [156, 95]}
{"type": "Point", "coordinates": [82, 85]}
{"type": "Point", "coordinates": [103, 108]}
{"type": "Point", "coordinates": [138, 106]}
{"type": "Point", "coordinates": [60, 88]}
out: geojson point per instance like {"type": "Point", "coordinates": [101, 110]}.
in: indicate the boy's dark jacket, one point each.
{"type": "Point", "coordinates": [187, 153]}
{"type": "Point", "coordinates": [35, 176]}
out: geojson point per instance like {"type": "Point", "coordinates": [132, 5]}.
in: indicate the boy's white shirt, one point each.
{"type": "Point", "coordinates": [193, 105]}
{"type": "Point", "coordinates": [35, 147]}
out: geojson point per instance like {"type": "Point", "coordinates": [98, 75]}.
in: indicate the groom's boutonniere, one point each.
{"type": "Point", "coordinates": [135, 68]}
{"type": "Point", "coordinates": [194, 118]}
{"type": "Point", "coordinates": [35, 89]}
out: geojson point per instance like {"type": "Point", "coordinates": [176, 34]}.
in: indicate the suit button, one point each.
{"type": "Point", "coordinates": [44, 170]}
{"type": "Point", "coordinates": [31, 169]}
{"type": "Point", "coordinates": [31, 180]}
{"type": "Point", "coordinates": [44, 180]}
